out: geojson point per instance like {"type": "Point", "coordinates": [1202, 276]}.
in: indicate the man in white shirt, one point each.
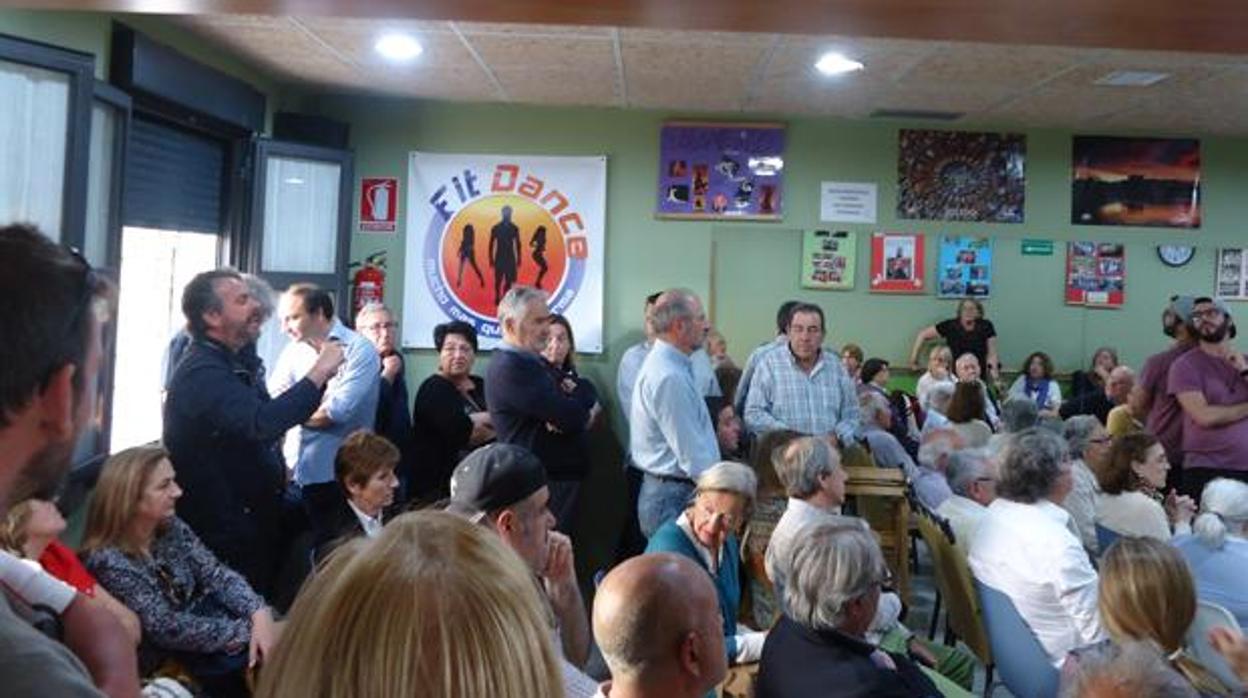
{"type": "Point", "coordinates": [1089, 447]}
{"type": "Point", "coordinates": [972, 477]}
{"type": "Point", "coordinates": [1025, 549]}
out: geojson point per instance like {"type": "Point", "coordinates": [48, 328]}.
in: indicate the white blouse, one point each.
{"type": "Point", "coordinates": [1135, 514]}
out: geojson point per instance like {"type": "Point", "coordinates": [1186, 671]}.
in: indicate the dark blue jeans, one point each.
{"type": "Point", "coordinates": [660, 501]}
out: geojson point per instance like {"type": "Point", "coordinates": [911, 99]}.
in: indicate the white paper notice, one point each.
{"type": "Point", "coordinates": [847, 202]}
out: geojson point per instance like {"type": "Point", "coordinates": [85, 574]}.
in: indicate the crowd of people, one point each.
{"type": "Point", "coordinates": [311, 529]}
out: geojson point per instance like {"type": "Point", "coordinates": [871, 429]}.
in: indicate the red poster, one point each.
{"type": "Point", "coordinates": [897, 263]}
{"type": "Point", "coordinates": [379, 204]}
{"type": "Point", "coordinates": [1096, 274]}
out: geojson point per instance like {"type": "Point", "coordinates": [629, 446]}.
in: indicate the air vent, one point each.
{"type": "Point", "coordinates": [1130, 78]}
{"type": "Point", "coordinates": [916, 114]}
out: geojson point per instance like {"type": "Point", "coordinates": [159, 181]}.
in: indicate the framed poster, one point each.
{"type": "Point", "coordinates": [1096, 274]}
{"type": "Point", "coordinates": [1135, 181]}
{"type": "Point", "coordinates": [828, 259]}
{"type": "Point", "coordinates": [723, 171]}
{"type": "Point", "coordinates": [965, 269]}
{"type": "Point", "coordinates": [897, 263]}
{"type": "Point", "coordinates": [961, 176]}
{"type": "Point", "coordinates": [1231, 275]}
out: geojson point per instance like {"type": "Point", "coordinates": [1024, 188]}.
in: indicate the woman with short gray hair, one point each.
{"type": "Point", "coordinates": [706, 532]}
{"type": "Point", "coordinates": [819, 647]}
{"type": "Point", "coordinates": [1217, 550]}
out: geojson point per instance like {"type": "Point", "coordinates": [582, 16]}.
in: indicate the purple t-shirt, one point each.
{"type": "Point", "coordinates": [1226, 446]}
{"type": "Point", "coordinates": [1165, 416]}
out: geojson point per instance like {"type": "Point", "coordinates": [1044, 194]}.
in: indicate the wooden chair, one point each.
{"type": "Point", "coordinates": [963, 614]}
{"type": "Point", "coordinates": [880, 494]}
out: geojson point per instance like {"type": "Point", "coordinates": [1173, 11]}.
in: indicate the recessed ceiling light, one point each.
{"type": "Point", "coordinates": [1131, 78]}
{"type": "Point", "coordinates": [398, 47]}
{"type": "Point", "coordinates": [832, 63]}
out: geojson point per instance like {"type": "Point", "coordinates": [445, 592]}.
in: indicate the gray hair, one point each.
{"type": "Point", "coordinates": [940, 396]}
{"type": "Point", "coordinates": [674, 305]}
{"type": "Point", "coordinates": [727, 476]}
{"type": "Point", "coordinates": [872, 403]}
{"type": "Point", "coordinates": [1223, 510]}
{"type": "Point", "coordinates": [515, 303]}
{"type": "Point", "coordinates": [937, 445]}
{"type": "Point", "coordinates": [1031, 465]}
{"type": "Point", "coordinates": [1131, 669]}
{"type": "Point", "coordinates": [371, 308]}
{"type": "Point", "coordinates": [1078, 432]}
{"type": "Point", "coordinates": [831, 564]}
{"type": "Point", "coordinates": [802, 462]}
{"type": "Point", "coordinates": [1018, 414]}
{"type": "Point", "coordinates": [260, 289]}
{"type": "Point", "coordinates": [965, 467]}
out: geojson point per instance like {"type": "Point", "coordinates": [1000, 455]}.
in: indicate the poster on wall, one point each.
{"type": "Point", "coordinates": [897, 263]}
{"type": "Point", "coordinates": [479, 224]}
{"type": "Point", "coordinates": [961, 176]}
{"type": "Point", "coordinates": [1136, 181]}
{"type": "Point", "coordinates": [1232, 277]}
{"type": "Point", "coordinates": [724, 171]}
{"type": "Point", "coordinates": [379, 204]}
{"type": "Point", "coordinates": [1096, 274]}
{"type": "Point", "coordinates": [828, 260]}
{"type": "Point", "coordinates": [965, 269]}
{"type": "Point", "coordinates": [847, 202]}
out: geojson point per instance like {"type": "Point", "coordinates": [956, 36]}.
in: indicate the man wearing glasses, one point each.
{"type": "Point", "coordinates": [1151, 402]}
{"type": "Point", "coordinates": [394, 406]}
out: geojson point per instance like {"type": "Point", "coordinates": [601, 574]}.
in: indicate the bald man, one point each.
{"type": "Point", "coordinates": [656, 620]}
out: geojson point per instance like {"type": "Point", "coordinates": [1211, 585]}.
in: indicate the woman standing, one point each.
{"type": "Point", "coordinates": [969, 332]}
{"type": "Point", "coordinates": [566, 455]}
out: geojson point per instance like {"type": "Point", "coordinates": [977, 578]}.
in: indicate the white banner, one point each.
{"type": "Point", "coordinates": [478, 224]}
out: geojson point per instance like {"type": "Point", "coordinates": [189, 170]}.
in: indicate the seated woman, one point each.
{"type": "Point", "coordinates": [192, 608]}
{"type": "Point", "coordinates": [1104, 360]}
{"type": "Point", "coordinates": [1036, 383]}
{"type": "Point", "coordinates": [1131, 503]}
{"type": "Point", "coordinates": [1146, 594]}
{"type": "Point", "coordinates": [30, 531]}
{"type": "Point", "coordinates": [566, 456]}
{"type": "Point", "coordinates": [939, 372]}
{"type": "Point", "coordinates": [939, 397]}
{"type": "Point", "coordinates": [434, 606]}
{"type": "Point", "coordinates": [852, 357]}
{"type": "Point", "coordinates": [967, 370]}
{"type": "Point", "coordinates": [1217, 550]}
{"type": "Point", "coordinates": [706, 533]}
{"type": "Point", "coordinates": [365, 470]}
{"type": "Point", "coordinates": [449, 417]}
{"type": "Point", "coordinates": [966, 413]}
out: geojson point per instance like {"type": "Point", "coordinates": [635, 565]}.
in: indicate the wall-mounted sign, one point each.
{"type": "Point", "coordinates": [379, 204]}
{"type": "Point", "coordinates": [1038, 247]}
{"type": "Point", "coordinates": [847, 202]}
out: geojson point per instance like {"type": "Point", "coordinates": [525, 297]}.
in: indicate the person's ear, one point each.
{"type": "Point", "coordinates": [55, 404]}
{"type": "Point", "coordinates": [505, 523]}
{"type": "Point", "coordinates": [691, 654]}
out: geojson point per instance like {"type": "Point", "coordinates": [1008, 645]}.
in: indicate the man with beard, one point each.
{"type": "Point", "coordinates": [221, 427]}
{"type": "Point", "coordinates": [55, 306]}
{"type": "Point", "coordinates": [1151, 402]}
{"type": "Point", "coordinates": [1210, 386]}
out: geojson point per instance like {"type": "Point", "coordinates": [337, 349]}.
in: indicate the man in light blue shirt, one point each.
{"type": "Point", "coordinates": [630, 365]}
{"type": "Point", "coordinates": [350, 401]}
{"type": "Point", "coordinates": [751, 362]}
{"type": "Point", "coordinates": [671, 437]}
{"type": "Point", "coordinates": [801, 387]}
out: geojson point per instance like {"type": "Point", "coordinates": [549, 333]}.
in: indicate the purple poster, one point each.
{"type": "Point", "coordinates": [721, 170]}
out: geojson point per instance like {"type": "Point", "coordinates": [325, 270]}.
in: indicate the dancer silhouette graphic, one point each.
{"type": "Point", "coordinates": [504, 254]}
{"type": "Point", "coordinates": [467, 253]}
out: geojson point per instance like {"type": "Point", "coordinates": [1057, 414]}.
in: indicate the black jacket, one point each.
{"type": "Point", "coordinates": [524, 397]}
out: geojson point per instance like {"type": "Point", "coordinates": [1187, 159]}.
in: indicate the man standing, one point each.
{"type": "Point", "coordinates": [804, 389]}
{"type": "Point", "coordinates": [656, 619]}
{"type": "Point", "coordinates": [751, 362]}
{"type": "Point", "coordinates": [504, 254]}
{"type": "Point", "coordinates": [523, 397]}
{"type": "Point", "coordinates": [394, 407]}
{"type": "Point", "coordinates": [630, 365]}
{"type": "Point", "coordinates": [671, 437]}
{"type": "Point", "coordinates": [1151, 401]}
{"type": "Point", "coordinates": [350, 401]}
{"type": "Point", "coordinates": [52, 311]}
{"type": "Point", "coordinates": [1210, 386]}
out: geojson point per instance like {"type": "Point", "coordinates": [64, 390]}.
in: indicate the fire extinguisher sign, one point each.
{"type": "Point", "coordinates": [379, 197]}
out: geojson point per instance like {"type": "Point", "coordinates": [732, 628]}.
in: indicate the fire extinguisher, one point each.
{"type": "Point", "coordinates": [369, 283]}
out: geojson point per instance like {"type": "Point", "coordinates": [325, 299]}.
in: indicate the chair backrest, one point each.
{"type": "Point", "coordinates": [1020, 659]}
{"type": "Point", "coordinates": [961, 602]}
{"type": "Point", "coordinates": [1105, 537]}
{"type": "Point", "coordinates": [1208, 617]}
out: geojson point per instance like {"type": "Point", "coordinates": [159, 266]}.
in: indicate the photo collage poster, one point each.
{"type": "Point", "coordinates": [965, 267]}
{"type": "Point", "coordinates": [897, 263]}
{"type": "Point", "coordinates": [1096, 274]}
{"type": "Point", "coordinates": [724, 171]}
{"type": "Point", "coordinates": [1232, 277]}
{"type": "Point", "coordinates": [828, 260]}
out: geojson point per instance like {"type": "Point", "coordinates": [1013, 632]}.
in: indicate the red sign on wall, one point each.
{"type": "Point", "coordinates": [379, 204]}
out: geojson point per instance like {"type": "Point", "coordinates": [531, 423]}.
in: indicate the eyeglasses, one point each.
{"type": "Point", "coordinates": [1101, 440]}
{"type": "Point", "coordinates": [1207, 312]}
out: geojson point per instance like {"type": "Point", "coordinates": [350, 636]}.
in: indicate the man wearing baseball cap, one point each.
{"type": "Point", "coordinates": [503, 487]}
{"type": "Point", "coordinates": [1210, 386]}
{"type": "Point", "coordinates": [1151, 402]}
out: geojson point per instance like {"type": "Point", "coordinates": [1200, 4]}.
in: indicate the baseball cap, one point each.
{"type": "Point", "coordinates": [494, 477]}
{"type": "Point", "coordinates": [1182, 306]}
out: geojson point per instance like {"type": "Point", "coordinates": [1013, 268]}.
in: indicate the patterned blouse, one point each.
{"type": "Point", "coordinates": [186, 599]}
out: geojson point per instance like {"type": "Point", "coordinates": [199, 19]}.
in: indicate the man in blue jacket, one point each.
{"type": "Point", "coordinates": [221, 427]}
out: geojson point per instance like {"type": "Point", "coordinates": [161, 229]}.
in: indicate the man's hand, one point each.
{"type": "Point", "coordinates": [560, 569]}
{"type": "Point", "coordinates": [568, 385]}
{"type": "Point", "coordinates": [921, 653]}
{"type": "Point", "coordinates": [391, 364]}
{"type": "Point", "coordinates": [328, 360]}
{"type": "Point", "coordinates": [319, 419]}
{"type": "Point", "coordinates": [264, 632]}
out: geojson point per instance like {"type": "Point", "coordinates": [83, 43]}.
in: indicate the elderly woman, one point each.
{"type": "Point", "coordinates": [706, 533]}
{"type": "Point", "coordinates": [1104, 360]}
{"type": "Point", "coordinates": [937, 409]}
{"type": "Point", "coordinates": [968, 333]}
{"type": "Point", "coordinates": [449, 417]}
{"type": "Point", "coordinates": [819, 648]}
{"type": "Point", "coordinates": [1147, 594]}
{"type": "Point", "coordinates": [1131, 502]}
{"type": "Point", "coordinates": [192, 608]}
{"type": "Point", "coordinates": [566, 456]}
{"type": "Point", "coordinates": [1217, 550]}
{"type": "Point", "coordinates": [939, 372]}
{"type": "Point", "coordinates": [1036, 384]}
{"type": "Point", "coordinates": [365, 470]}
{"type": "Point", "coordinates": [1089, 447]}
{"type": "Point", "coordinates": [967, 370]}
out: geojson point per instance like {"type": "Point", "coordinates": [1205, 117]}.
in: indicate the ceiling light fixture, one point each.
{"type": "Point", "coordinates": [398, 47]}
{"type": "Point", "coordinates": [832, 63]}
